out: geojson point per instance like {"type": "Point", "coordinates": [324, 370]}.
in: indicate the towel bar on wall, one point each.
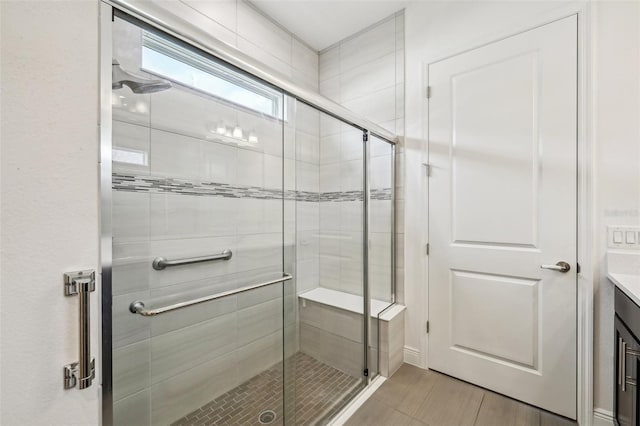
{"type": "Point", "coordinates": [138, 307]}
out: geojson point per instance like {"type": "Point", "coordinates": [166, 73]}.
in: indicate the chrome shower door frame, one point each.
{"type": "Point", "coordinates": [106, 201]}
{"type": "Point", "coordinates": [367, 205]}
{"type": "Point", "coordinates": [254, 69]}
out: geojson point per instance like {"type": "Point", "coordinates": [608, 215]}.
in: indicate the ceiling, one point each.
{"type": "Point", "coordinates": [323, 23]}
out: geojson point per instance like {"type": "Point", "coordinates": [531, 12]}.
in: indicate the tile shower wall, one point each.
{"type": "Point", "coordinates": [306, 135]}
{"type": "Point", "coordinates": [341, 207]}
{"type": "Point", "coordinates": [239, 24]}
{"type": "Point", "coordinates": [178, 361]}
{"type": "Point", "coordinates": [365, 73]}
{"type": "Point", "coordinates": [181, 192]}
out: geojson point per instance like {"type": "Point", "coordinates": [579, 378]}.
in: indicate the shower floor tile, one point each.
{"type": "Point", "coordinates": [320, 392]}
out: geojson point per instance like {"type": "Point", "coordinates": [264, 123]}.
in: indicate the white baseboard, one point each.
{"type": "Point", "coordinates": [602, 417]}
{"type": "Point", "coordinates": [412, 356]}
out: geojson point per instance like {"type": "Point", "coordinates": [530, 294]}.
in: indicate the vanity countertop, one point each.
{"type": "Point", "coordinates": [629, 284]}
{"type": "Point", "coordinates": [623, 269]}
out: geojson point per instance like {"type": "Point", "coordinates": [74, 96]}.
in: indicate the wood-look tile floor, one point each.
{"type": "Point", "coordinates": [416, 397]}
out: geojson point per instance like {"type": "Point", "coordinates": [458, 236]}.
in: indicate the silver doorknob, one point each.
{"type": "Point", "coordinates": [560, 267]}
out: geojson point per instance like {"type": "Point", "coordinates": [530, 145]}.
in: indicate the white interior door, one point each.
{"type": "Point", "coordinates": [502, 199]}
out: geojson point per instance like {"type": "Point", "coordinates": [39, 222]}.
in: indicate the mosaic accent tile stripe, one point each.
{"type": "Point", "coordinates": [160, 185]}
{"type": "Point", "coordinates": [381, 194]}
{"type": "Point", "coordinates": [376, 194]}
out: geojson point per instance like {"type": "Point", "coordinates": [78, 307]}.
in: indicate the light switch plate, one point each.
{"type": "Point", "coordinates": [626, 237]}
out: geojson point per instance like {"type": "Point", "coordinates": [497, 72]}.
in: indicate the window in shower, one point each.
{"type": "Point", "coordinates": [170, 60]}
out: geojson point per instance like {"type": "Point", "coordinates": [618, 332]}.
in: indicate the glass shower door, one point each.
{"type": "Point", "coordinates": [198, 216]}
{"type": "Point", "coordinates": [250, 232]}
{"type": "Point", "coordinates": [329, 267]}
{"type": "Point", "coordinates": [381, 249]}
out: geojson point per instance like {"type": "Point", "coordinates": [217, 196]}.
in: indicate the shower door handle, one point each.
{"type": "Point", "coordinates": [81, 373]}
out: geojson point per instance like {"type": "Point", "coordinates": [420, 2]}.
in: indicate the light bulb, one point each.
{"type": "Point", "coordinates": [253, 138]}
{"type": "Point", "coordinates": [237, 133]}
{"type": "Point", "coordinates": [221, 130]}
{"type": "Point", "coordinates": [141, 107]}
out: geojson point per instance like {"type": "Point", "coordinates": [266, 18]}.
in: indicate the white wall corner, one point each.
{"type": "Point", "coordinates": [602, 417]}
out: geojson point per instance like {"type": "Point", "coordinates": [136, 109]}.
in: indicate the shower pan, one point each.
{"type": "Point", "coordinates": [239, 210]}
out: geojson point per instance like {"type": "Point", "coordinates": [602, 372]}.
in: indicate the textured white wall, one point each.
{"type": "Point", "coordinates": [617, 134]}
{"type": "Point", "coordinates": [49, 204]}
{"type": "Point", "coordinates": [436, 30]}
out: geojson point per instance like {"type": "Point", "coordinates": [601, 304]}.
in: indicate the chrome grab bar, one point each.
{"type": "Point", "coordinates": [81, 373]}
{"type": "Point", "coordinates": [159, 263]}
{"type": "Point", "coordinates": [138, 307]}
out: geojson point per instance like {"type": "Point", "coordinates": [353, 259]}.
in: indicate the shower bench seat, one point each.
{"type": "Point", "coordinates": [331, 331]}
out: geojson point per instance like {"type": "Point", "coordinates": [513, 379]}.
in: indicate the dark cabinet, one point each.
{"type": "Point", "coordinates": [627, 361]}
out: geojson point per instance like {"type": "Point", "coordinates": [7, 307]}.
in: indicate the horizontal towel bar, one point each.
{"type": "Point", "coordinates": [159, 263]}
{"type": "Point", "coordinates": [138, 306]}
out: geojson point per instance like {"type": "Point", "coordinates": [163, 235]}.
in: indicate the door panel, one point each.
{"type": "Point", "coordinates": [502, 322]}
{"type": "Point", "coordinates": [481, 99]}
{"type": "Point", "coordinates": [502, 197]}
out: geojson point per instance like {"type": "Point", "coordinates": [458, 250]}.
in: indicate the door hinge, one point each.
{"type": "Point", "coordinates": [428, 92]}
{"type": "Point", "coordinates": [426, 249]}
{"type": "Point", "coordinates": [365, 136]}
{"type": "Point", "coordinates": [427, 169]}
{"type": "Point", "coordinates": [366, 372]}
{"type": "Point", "coordinates": [427, 327]}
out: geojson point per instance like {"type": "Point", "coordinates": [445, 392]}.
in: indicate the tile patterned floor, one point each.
{"type": "Point", "coordinates": [417, 397]}
{"type": "Point", "coordinates": [320, 392]}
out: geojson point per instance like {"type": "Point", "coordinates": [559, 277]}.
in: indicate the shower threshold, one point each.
{"type": "Point", "coordinates": [320, 392]}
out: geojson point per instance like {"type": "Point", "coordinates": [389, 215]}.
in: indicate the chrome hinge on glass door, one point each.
{"type": "Point", "coordinates": [81, 373]}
